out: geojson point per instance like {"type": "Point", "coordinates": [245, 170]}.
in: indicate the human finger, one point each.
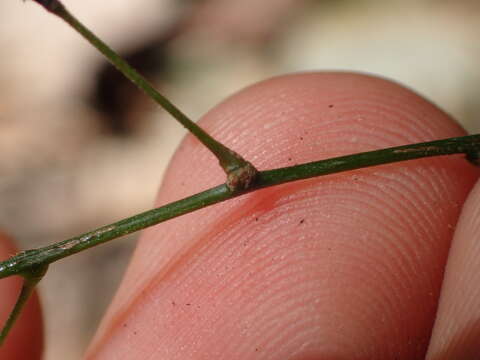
{"type": "Point", "coordinates": [457, 327]}
{"type": "Point", "coordinates": [343, 267]}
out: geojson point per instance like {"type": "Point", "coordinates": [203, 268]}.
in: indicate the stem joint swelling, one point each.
{"type": "Point", "coordinates": [50, 5]}
{"type": "Point", "coordinates": [242, 177]}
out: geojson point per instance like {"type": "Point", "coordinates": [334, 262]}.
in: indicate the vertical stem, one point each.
{"type": "Point", "coordinates": [31, 279]}
{"type": "Point", "coordinates": [240, 173]}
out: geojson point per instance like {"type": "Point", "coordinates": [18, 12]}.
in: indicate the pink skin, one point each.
{"type": "Point", "coordinates": [457, 329]}
{"type": "Point", "coordinates": [347, 266]}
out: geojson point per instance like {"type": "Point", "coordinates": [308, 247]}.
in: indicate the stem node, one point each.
{"type": "Point", "coordinates": [50, 5]}
{"type": "Point", "coordinates": [242, 177]}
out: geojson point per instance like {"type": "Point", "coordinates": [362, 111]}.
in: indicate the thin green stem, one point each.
{"type": "Point", "coordinates": [26, 260]}
{"type": "Point", "coordinates": [468, 145]}
{"type": "Point", "coordinates": [31, 279]}
{"type": "Point", "coordinates": [240, 173]}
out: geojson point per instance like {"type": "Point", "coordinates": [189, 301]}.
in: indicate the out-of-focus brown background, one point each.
{"type": "Point", "coordinates": [80, 147]}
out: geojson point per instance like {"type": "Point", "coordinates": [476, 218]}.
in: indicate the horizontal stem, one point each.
{"type": "Point", "coordinates": [469, 145]}
{"type": "Point", "coordinates": [25, 260]}
{"type": "Point", "coordinates": [48, 254]}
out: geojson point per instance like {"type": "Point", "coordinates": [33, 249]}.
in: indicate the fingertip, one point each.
{"type": "Point", "coordinates": [25, 341]}
{"type": "Point", "coordinates": [326, 267]}
{"type": "Point", "coordinates": [457, 327]}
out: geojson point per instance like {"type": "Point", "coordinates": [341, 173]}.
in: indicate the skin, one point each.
{"type": "Point", "coordinates": [348, 266]}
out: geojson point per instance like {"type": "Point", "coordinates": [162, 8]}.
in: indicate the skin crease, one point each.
{"type": "Point", "coordinates": [347, 266]}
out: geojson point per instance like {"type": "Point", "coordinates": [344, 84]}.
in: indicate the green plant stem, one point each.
{"type": "Point", "coordinates": [31, 279]}
{"type": "Point", "coordinates": [26, 260]}
{"type": "Point", "coordinates": [240, 173]}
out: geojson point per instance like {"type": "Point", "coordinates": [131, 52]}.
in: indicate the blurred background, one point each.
{"type": "Point", "coordinates": [80, 147]}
